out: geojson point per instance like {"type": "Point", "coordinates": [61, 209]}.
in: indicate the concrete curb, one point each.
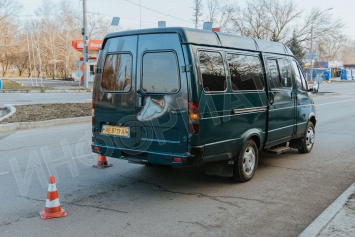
{"type": "Point", "coordinates": [10, 108]}
{"type": "Point", "coordinates": [40, 124]}
{"type": "Point", "coordinates": [46, 91]}
{"type": "Point", "coordinates": [328, 214]}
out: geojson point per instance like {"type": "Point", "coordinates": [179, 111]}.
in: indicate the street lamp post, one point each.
{"type": "Point", "coordinates": [85, 51]}
{"type": "Point", "coordinates": [311, 78]}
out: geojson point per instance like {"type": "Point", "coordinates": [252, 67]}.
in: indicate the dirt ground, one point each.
{"type": "Point", "coordinates": [40, 112]}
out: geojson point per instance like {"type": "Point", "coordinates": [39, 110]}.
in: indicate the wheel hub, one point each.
{"type": "Point", "coordinates": [310, 138]}
{"type": "Point", "coordinates": [249, 160]}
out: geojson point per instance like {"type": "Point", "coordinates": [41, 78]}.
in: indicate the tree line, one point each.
{"type": "Point", "coordinates": [282, 21]}
{"type": "Point", "coordinates": [39, 45]}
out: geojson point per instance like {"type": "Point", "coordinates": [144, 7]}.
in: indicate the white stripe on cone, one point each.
{"type": "Point", "coordinates": [52, 188]}
{"type": "Point", "coordinates": [53, 203]}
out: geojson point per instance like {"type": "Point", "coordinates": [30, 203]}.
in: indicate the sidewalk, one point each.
{"type": "Point", "coordinates": [337, 220]}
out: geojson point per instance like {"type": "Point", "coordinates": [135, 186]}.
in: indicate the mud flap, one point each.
{"type": "Point", "coordinates": [222, 168]}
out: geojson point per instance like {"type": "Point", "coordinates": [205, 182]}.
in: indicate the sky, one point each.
{"type": "Point", "coordinates": [179, 12]}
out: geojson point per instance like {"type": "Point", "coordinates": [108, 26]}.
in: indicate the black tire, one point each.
{"type": "Point", "coordinates": [308, 139]}
{"type": "Point", "coordinates": [246, 162]}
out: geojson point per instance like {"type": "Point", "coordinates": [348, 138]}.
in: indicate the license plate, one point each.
{"type": "Point", "coordinates": [115, 130]}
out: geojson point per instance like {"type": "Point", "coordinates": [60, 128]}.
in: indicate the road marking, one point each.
{"type": "Point", "coordinates": [4, 173]}
{"type": "Point", "coordinates": [335, 102]}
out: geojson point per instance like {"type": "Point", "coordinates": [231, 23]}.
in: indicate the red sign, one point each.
{"type": "Point", "coordinates": [93, 45]}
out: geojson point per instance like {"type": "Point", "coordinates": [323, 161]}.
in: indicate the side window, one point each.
{"type": "Point", "coordinates": [160, 72]}
{"type": "Point", "coordinates": [280, 73]}
{"type": "Point", "coordinates": [301, 82]}
{"type": "Point", "coordinates": [246, 72]}
{"type": "Point", "coordinates": [285, 73]}
{"type": "Point", "coordinates": [212, 71]}
{"type": "Point", "coordinates": [117, 72]}
{"type": "Point", "coordinates": [274, 74]}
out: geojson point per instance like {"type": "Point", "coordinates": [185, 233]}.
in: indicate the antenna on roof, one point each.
{"type": "Point", "coordinates": [207, 25]}
{"type": "Point", "coordinates": [161, 24]}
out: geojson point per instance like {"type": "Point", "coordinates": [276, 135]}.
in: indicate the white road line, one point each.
{"type": "Point", "coordinates": [4, 173]}
{"type": "Point", "coordinates": [335, 102]}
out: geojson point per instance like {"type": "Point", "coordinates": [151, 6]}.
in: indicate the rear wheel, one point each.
{"type": "Point", "coordinates": [246, 163]}
{"type": "Point", "coordinates": [308, 139]}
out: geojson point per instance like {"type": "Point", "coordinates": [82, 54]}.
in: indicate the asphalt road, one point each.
{"type": "Point", "coordinates": [44, 98]}
{"type": "Point", "coordinates": [287, 193]}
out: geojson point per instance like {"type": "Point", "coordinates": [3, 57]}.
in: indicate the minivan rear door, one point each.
{"type": "Point", "coordinates": [115, 94]}
{"type": "Point", "coordinates": [162, 96]}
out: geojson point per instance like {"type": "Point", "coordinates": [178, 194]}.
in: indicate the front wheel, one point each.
{"type": "Point", "coordinates": [246, 163]}
{"type": "Point", "coordinates": [308, 139]}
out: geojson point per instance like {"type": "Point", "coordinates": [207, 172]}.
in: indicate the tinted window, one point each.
{"type": "Point", "coordinates": [246, 72]}
{"type": "Point", "coordinates": [117, 72]}
{"type": "Point", "coordinates": [212, 71]}
{"type": "Point", "coordinates": [285, 73]}
{"type": "Point", "coordinates": [280, 73]}
{"type": "Point", "coordinates": [301, 83]}
{"type": "Point", "coordinates": [160, 73]}
{"type": "Point", "coordinates": [274, 74]}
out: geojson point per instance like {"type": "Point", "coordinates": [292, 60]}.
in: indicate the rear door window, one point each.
{"type": "Point", "coordinates": [160, 73]}
{"type": "Point", "coordinates": [117, 72]}
{"type": "Point", "coordinates": [285, 73]}
{"type": "Point", "coordinates": [212, 71]}
{"type": "Point", "coordinates": [246, 72]}
{"type": "Point", "coordinates": [279, 73]}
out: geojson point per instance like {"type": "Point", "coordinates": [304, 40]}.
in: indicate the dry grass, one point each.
{"type": "Point", "coordinates": [12, 85]}
{"type": "Point", "coordinates": [40, 112]}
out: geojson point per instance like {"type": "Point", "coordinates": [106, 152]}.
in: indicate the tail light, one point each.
{"type": "Point", "coordinates": [193, 118]}
{"type": "Point", "coordinates": [93, 112]}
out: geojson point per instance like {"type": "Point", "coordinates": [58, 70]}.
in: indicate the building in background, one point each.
{"type": "Point", "coordinates": [93, 47]}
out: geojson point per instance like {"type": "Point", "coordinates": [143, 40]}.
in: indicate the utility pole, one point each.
{"type": "Point", "coordinates": [311, 71]}
{"type": "Point", "coordinates": [85, 51]}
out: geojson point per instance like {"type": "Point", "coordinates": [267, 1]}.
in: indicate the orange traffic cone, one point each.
{"type": "Point", "coordinates": [52, 208]}
{"type": "Point", "coordinates": [102, 162]}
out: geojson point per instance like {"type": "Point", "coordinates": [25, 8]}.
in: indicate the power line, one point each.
{"type": "Point", "coordinates": [158, 11]}
{"type": "Point", "coordinates": [98, 13]}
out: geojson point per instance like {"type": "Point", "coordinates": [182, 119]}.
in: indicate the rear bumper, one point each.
{"type": "Point", "coordinates": [193, 156]}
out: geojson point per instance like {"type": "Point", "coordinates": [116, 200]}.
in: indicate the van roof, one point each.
{"type": "Point", "coordinates": [207, 37]}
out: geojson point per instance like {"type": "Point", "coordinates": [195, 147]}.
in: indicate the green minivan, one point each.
{"type": "Point", "coordinates": [181, 96]}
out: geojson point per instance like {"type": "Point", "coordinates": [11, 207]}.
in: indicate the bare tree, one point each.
{"type": "Point", "coordinates": [267, 19]}
{"type": "Point", "coordinates": [98, 26]}
{"type": "Point", "coordinates": [8, 10]}
{"type": "Point", "coordinates": [67, 31]}
{"type": "Point", "coordinates": [323, 26]}
{"type": "Point", "coordinates": [8, 30]}
{"type": "Point", "coordinates": [221, 13]}
{"type": "Point", "coordinates": [331, 47]}
{"type": "Point", "coordinates": [213, 10]}
{"type": "Point", "coordinates": [20, 56]}
{"type": "Point", "coordinates": [348, 52]}
{"type": "Point", "coordinates": [197, 11]}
